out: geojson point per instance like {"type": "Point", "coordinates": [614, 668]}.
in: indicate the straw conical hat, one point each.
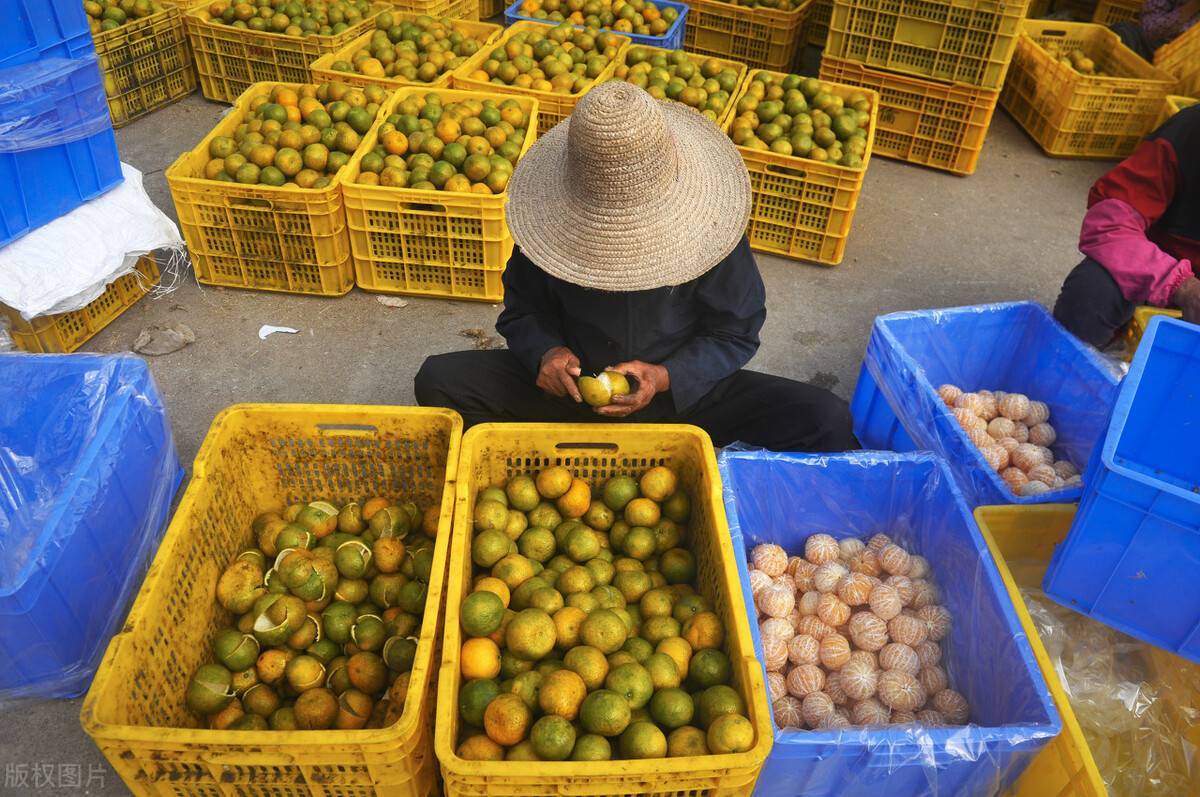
{"type": "Point", "coordinates": [629, 193]}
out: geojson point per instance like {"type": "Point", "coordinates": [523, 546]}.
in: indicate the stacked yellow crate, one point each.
{"type": "Point", "coordinates": [937, 65]}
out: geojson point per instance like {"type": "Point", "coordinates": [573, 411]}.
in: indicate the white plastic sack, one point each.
{"type": "Point", "coordinates": [68, 263]}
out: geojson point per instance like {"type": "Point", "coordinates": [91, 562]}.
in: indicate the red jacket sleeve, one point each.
{"type": "Point", "coordinates": [1122, 206]}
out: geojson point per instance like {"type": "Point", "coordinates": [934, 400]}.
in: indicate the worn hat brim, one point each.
{"type": "Point", "coordinates": [664, 238]}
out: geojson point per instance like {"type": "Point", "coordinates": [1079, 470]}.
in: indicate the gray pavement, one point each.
{"type": "Point", "coordinates": [921, 238]}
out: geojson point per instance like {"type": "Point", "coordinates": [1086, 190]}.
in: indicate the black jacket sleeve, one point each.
{"type": "Point", "coordinates": [734, 302]}
{"type": "Point", "coordinates": [530, 321]}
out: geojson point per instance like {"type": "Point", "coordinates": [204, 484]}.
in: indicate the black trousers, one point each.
{"type": "Point", "coordinates": [1091, 305]}
{"type": "Point", "coordinates": [757, 409]}
{"type": "Point", "coordinates": [1133, 37]}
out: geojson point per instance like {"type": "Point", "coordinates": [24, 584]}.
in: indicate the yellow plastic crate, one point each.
{"type": "Point", "coordinates": [737, 66]}
{"type": "Point", "coordinates": [801, 208]}
{"type": "Point", "coordinates": [256, 455]}
{"type": "Point", "coordinates": [816, 24]}
{"type": "Point", "coordinates": [1137, 326]}
{"type": "Point", "coordinates": [65, 332]}
{"type": "Point", "coordinates": [1071, 115]}
{"type": "Point", "coordinates": [761, 38]}
{"type": "Point", "coordinates": [146, 64]}
{"type": "Point", "coordinates": [1173, 105]}
{"type": "Point", "coordinates": [962, 41]}
{"type": "Point", "coordinates": [1065, 767]}
{"type": "Point", "coordinates": [429, 243]}
{"type": "Point", "coordinates": [552, 106]}
{"type": "Point", "coordinates": [594, 452]}
{"type": "Point", "coordinates": [491, 8]}
{"type": "Point", "coordinates": [455, 9]}
{"type": "Point", "coordinates": [1181, 58]}
{"type": "Point", "coordinates": [927, 122]}
{"type": "Point", "coordinates": [1110, 12]}
{"type": "Point", "coordinates": [229, 60]}
{"type": "Point", "coordinates": [268, 238]}
{"type": "Point", "coordinates": [322, 68]}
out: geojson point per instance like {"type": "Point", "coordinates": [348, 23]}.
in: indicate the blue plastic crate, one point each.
{"type": "Point", "coordinates": [36, 29]}
{"type": "Point", "coordinates": [58, 150]}
{"type": "Point", "coordinates": [671, 40]}
{"type": "Point", "coordinates": [1132, 557]}
{"type": "Point", "coordinates": [784, 498]}
{"type": "Point", "coordinates": [1016, 347]}
{"type": "Point", "coordinates": [87, 474]}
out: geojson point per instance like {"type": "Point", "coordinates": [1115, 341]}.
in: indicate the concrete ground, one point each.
{"type": "Point", "coordinates": [921, 238]}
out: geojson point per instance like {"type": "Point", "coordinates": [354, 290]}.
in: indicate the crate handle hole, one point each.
{"type": "Point", "coordinates": [787, 171]}
{"type": "Point", "coordinates": [584, 445]}
{"type": "Point", "coordinates": [423, 207]}
{"type": "Point", "coordinates": [264, 204]}
{"type": "Point", "coordinates": [1056, 33]}
{"type": "Point", "coordinates": [353, 429]}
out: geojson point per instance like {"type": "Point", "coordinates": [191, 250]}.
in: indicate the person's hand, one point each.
{"type": "Point", "coordinates": [1187, 299]}
{"type": "Point", "coordinates": [557, 375]}
{"type": "Point", "coordinates": [651, 380]}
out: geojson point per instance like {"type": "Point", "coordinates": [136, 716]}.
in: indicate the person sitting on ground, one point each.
{"type": "Point", "coordinates": [629, 220]}
{"type": "Point", "coordinates": [1140, 236]}
{"type": "Point", "coordinates": [1159, 22]}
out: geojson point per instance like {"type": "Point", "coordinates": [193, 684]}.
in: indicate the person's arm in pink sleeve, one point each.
{"type": "Point", "coordinates": [1114, 235]}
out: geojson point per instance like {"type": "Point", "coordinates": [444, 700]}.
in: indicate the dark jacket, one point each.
{"type": "Point", "coordinates": [702, 331]}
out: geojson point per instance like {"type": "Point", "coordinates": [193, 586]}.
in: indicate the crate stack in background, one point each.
{"type": "Point", "coordinates": [938, 66]}
{"type": "Point", "coordinates": [146, 60]}
{"type": "Point", "coordinates": [1080, 93]}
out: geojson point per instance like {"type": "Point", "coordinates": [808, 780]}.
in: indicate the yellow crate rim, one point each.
{"type": "Point", "coordinates": [651, 769]}
{"type": "Point", "coordinates": [354, 167]}
{"type": "Point", "coordinates": [188, 164]}
{"type": "Point", "coordinates": [1039, 516]}
{"type": "Point", "coordinates": [460, 77]}
{"type": "Point", "coordinates": [754, 13]}
{"type": "Point", "coordinates": [269, 744]}
{"type": "Point", "coordinates": [322, 68]}
{"type": "Point", "coordinates": [1146, 72]}
{"type": "Point", "coordinates": [740, 67]}
{"type": "Point", "coordinates": [804, 164]}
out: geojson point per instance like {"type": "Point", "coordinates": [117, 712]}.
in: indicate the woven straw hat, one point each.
{"type": "Point", "coordinates": [629, 193]}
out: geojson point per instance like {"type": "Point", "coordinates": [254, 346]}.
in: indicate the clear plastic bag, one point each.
{"type": "Point", "coordinates": [88, 472]}
{"type": "Point", "coordinates": [1138, 706]}
{"type": "Point", "coordinates": [51, 102]}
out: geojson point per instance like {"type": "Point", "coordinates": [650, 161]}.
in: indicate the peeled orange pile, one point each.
{"type": "Point", "coordinates": [851, 634]}
{"type": "Point", "coordinates": [584, 636]}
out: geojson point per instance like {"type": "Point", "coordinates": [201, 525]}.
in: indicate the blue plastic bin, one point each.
{"type": "Point", "coordinates": [87, 474]}
{"type": "Point", "coordinates": [58, 149]}
{"type": "Point", "coordinates": [36, 29]}
{"type": "Point", "coordinates": [784, 498]}
{"type": "Point", "coordinates": [1016, 347]}
{"type": "Point", "coordinates": [1132, 557]}
{"type": "Point", "coordinates": [671, 40]}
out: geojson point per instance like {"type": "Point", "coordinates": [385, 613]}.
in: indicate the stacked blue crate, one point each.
{"type": "Point", "coordinates": [57, 148]}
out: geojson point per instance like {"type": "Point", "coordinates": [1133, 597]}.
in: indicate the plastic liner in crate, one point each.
{"type": "Point", "coordinates": [57, 149]}
{"type": "Point", "coordinates": [1132, 558]}
{"type": "Point", "coordinates": [87, 474]}
{"type": "Point", "coordinates": [1016, 347]}
{"type": "Point", "coordinates": [671, 40]}
{"type": "Point", "coordinates": [784, 498]}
